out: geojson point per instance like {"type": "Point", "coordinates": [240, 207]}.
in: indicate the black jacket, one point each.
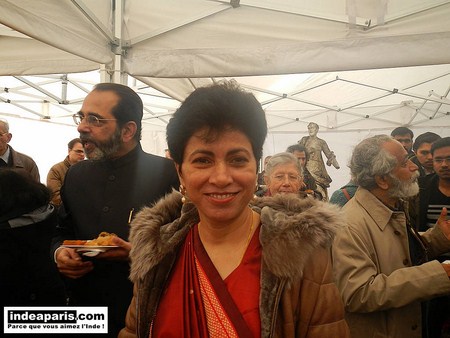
{"type": "Point", "coordinates": [101, 196]}
{"type": "Point", "coordinates": [28, 276]}
{"type": "Point", "coordinates": [425, 185]}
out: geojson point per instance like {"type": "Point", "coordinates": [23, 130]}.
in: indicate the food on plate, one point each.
{"type": "Point", "coordinates": [104, 239]}
{"type": "Point", "coordinates": [74, 242]}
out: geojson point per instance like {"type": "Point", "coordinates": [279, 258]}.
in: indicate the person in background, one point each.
{"type": "Point", "coordinates": [344, 194]}
{"type": "Point", "coordinates": [13, 159]}
{"type": "Point", "coordinates": [383, 268]}
{"type": "Point", "coordinates": [283, 175]}
{"type": "Point", "coordinates": [309, 185]}
{"type": "Point", "coordinates": [27, 221]}
{"type": "Point", "coordinates": [434, 190]}
{"type": "Point", "coordinates": [316, 166]}
{"type": "Point", "coordinates": [213, 261]}
{"type": "Point", "coordinates": [261, 184]}
{"type": "Point", "coordinates": [57, 173]}
{"type": "Point", "coordinates": [301, 153]}
{"type": "Point", "coordinates": [422, 148]}
{"type": "Point", "coordinates": [405, 136]}
{"type": "Point", "coordinates": [434, 194]}
{"type": "Point", "coordinates": [103, 193]}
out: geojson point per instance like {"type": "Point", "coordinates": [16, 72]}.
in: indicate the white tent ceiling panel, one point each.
{"type": "Point", "coordinates": [176, 88]}
{"type": "Point", "coordinates": [340, 101]}
{"type": "Point", "coordinates": [198, 38]}
{"type": "Point", "coordinates": [58, 24]}
{"type": "Point", "coordinates": [239, 41]}
{"type": "Point", "coordinates": [175, 46]}
{"type": "Point", "coordinates": [23, 56]}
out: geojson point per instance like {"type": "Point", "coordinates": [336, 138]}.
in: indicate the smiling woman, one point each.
{"type": "Point", "coordinates": [215, 234]}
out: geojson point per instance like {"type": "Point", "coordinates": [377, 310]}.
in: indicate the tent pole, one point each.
{"type": "Point", "coordinates": [118, 76]}
{"type": "Point", "coordinates": [105, 74]}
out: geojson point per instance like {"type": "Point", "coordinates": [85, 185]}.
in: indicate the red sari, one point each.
{"type": "Point", "coordinates": [199, 303]}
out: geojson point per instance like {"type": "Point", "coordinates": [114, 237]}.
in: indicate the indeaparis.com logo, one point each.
{"type": "Point", "coordinates": [55, 320]}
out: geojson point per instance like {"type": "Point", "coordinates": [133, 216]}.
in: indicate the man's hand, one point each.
{"type": "Point", "coordinates": [444, 223]}
{"type": "Point", "coordinates": [71, 265]}
{"type": "Point", "coordinates": [116, 254]}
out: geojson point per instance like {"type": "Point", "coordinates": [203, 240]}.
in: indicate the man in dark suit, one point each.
{"type": "Point", "coordinates": [103, 193]}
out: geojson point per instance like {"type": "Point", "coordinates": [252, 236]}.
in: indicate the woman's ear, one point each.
{"type": "Point", "coordinates": [180, 175]}
{"type": "Point", "coordinates": [129, 130]}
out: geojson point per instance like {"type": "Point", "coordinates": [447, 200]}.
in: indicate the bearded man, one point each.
{"type": "Point", "coordinates": [383, 267]}
{"type": "Point", "coordinates": [103, 193]}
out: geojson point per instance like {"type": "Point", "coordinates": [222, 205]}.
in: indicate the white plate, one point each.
{"type": "Point", "coordinates": [90, 247]}
{"type": "Point", "coordinates": [91, 250]}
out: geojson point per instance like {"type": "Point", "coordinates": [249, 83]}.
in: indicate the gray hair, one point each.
{"type": "Point", "coordinates": [281, 159]}
{"type": "Point", "coordinates": [369, 159]}
{"type": "Point", "coordinates": [5, 125]}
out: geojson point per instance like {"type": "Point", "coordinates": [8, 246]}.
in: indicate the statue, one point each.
{"type": "Point", "coordinates": [315, 165]}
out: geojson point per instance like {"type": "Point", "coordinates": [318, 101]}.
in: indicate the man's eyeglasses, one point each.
{"type": "Point", "coordinates": [90, 120]}
{"type": "Point", "coordinates": [441, 160]}
{"type": "Point", "coordinates": [282, 177]}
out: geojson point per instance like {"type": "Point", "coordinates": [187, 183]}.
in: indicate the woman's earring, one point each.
{"type": "Point", "coordinates": [183, 192]}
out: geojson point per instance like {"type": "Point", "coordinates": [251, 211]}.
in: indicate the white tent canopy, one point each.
{"type": "Point", "coordinates": [174, 46]}
{"type": "Point", "coordinates": [201, 38]}
{"type": "Point", "coordinates": [355, 67]}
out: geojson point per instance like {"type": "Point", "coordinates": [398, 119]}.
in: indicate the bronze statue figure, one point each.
{"type": "Point", "coordinates": [316, 165]}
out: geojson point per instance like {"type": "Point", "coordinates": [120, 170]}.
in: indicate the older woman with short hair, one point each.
{"type": "Point", "coordinates": [283, 174]}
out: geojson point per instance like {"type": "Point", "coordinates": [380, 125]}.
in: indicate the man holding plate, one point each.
{"type": "Point", "coordinates": [103, 193]}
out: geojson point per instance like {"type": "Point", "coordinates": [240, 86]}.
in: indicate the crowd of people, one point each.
{"type": "Point", "coordinates": [208, 244]}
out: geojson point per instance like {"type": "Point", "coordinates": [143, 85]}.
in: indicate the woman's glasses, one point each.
{"type": "Point", "coordinates": [282, 177]}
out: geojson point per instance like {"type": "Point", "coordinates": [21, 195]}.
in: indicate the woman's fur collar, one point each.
{"type": "Point", "coordinates": [292, 228]}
